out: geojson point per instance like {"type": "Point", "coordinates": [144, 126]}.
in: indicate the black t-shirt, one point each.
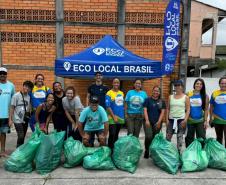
{"type": "Point", "coordinates": [100, 91]}
{"type": "Point", "coordinates": [154, 108]}
{"type": "Point", "coordinates": [58, 104]}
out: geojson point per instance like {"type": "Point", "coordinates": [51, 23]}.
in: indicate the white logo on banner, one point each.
{"type": "Point", "coordinates": [170, 43]}
{"type": "Point", "coordinates": [175, 5]}
{"type": "Point", "coordinates": [67, 66]}
{"type": "Point", "coordinates": [167, 67]}
{"type": "Point", "coordinates": [98, 51]}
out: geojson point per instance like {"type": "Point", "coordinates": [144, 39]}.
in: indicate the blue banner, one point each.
{"type": "Point", "coordinates": [108, 69]}
{"type": "Point", "coordinates": [171, 36]}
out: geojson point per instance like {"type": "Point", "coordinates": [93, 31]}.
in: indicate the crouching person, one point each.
{"type": "Point", "coordinates": [93, 121]}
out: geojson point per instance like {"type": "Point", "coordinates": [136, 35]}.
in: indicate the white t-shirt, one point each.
{"type": "Point", "coordinates": [72, 105]}
{"type": "Point", "coordinates": [17, 102]}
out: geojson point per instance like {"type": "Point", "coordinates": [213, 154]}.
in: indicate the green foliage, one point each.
{"type": "Point", "coordinates": [221, 64]}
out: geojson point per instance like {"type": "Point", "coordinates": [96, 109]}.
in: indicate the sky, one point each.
{"type": "Point", "coordinates": [221, 28]}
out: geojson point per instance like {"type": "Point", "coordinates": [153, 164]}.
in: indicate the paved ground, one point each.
{"type": "Point", "coordinates": [146, 173]}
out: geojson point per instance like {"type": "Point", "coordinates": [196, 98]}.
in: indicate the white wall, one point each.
{"type": "Point", "coordinates": [211, 84]}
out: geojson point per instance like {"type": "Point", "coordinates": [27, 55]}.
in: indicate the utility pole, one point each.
{"type": "Point", "coordinates": [59, 9]}
{"type": "Point", "coordinates": [121, 21]}
{"type": "Point", "coordinates": [185, 39]}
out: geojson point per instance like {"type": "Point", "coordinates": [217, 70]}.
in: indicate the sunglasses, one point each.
{"type": "Point", "coordinates": [3, 73]}
{"type": "Point", "coordinates": [176, 85]}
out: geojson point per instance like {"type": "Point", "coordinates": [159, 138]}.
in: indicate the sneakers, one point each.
{"type": "Point", "coordinates": [146, 154]}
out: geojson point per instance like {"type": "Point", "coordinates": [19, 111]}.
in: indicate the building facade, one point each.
{"type": "Point", "coordinates": [28, 36]}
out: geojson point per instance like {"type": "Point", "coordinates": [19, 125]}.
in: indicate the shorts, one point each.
{"type": "Point", "coordinates": [4, 126]}
{"type": "Point", "coordinates": [96, 132]}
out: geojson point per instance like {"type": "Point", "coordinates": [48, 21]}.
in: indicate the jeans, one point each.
{"type": "Point", "coordinates": [150, 133]}
{"type": "Point", "coordinates": [180, 132]}
{"type": "Point", "coordinates": [134, 124]}
{"type": "Point", "coordinates": [197, 128]}
{"type": "Point", "coordinates": [113, 134]}
{"type": "Point", "coordinates": [21, 129]}
{"type": "Point", "coordinates": [220, 129]}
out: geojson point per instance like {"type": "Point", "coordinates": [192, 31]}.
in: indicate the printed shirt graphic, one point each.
{"type": "Point", "coordinates": [196, 112]}
{"type": "Point", "coordinates": [93, 120]}
{"type": "Point", "coordinates": [7, 90]}
{"type": "Point", "coordinates": [115, 100]}
{"type": "Point", "coordinates": [135, 100]}
{"type": "Point", "coordinates": [38, 95]}
{"type": "Point", "coordinates": [218, 100]}
{"type": "Point", "coordinates": [18, 103]}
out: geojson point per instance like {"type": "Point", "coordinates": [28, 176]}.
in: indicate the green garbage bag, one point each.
{"type": "Point", "coordinates": [216, 154]}
{"type": "Point", "coordinates": [91, 150]}
{"type": "Point", "coordinates": [194, 158]}
{"type": "Point", "coordinates": [74, 151]}
{"type": "Point", "coordinates": [99, 160]}
{"type": "Point", "coordinates": [164, 154]}
{"type": "Point", "coordinates": [22, 158]}
{"type": "Point", "coordinates": [48, 155]}
{"type": "Point", "coordinates": [126, 153]}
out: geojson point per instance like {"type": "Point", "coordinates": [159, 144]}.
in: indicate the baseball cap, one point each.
{"type": "Point", "coordinates": [2, 69]}
{"type": "Point", "coordinates": [178, 83]}
{"type": "Point", "coordinates": [94, 99]}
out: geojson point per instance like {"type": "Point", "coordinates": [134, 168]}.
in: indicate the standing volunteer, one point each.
{"type": "Point", "coordinates": [7, 90]}
{"type": "Point", "coordinates": [178, 110]}
{"type": "Point", "coordinates": [115, 110]}
{"type": "Point", "coordinates": [218, 110]}
{"type": "Point", "coordinates": [199, 107]}
{"type": "Point", "coordinates": [134, 108]}
{"type": "Point", "coordinates": [20, 111]}
{"type": "Point", "coordinates": [154, 112]}
{"type": "Point", "coordinates": [59, 117]}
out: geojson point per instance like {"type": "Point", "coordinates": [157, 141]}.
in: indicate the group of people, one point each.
{"type": "Point", "coordinates": [106, 110]}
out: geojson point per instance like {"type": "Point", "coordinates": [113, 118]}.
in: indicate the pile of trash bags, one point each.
{"type": "Point", "coordinates": [194, 158]}
{"type": "Point", "coordinates": [43, 153]}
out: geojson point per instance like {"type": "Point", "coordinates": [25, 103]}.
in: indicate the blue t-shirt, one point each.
{"type": "Point", "coordinates": [7, 90]}
{"type": "Point", "coordinates": [93, 120]}
{"type": "Point", "coordinates": [115, 101]}
{"type": "Point", "coordinates": [196, 111]}
{"type": "Point", "coordinates": [135, 100]}
{"type": "Point", "coordinates": [38, 95]}
{"type": "Point", "coordinates": [218, 100]}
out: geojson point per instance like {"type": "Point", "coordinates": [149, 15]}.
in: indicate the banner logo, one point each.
{"type": "Point", "coordinates": [67, 66]}
{"type": "Point", "coordinates": [170, 43]}
{"type": "Point", "coordinates": [98, 51]}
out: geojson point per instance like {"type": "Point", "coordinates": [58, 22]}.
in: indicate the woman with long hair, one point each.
{"type": "Point", "coordinates": [177, 113]}
{"type": "Point", "coordinates": [72, 106]}
{"type": "Point", "coordinates": [59, 116]}
{"type": "Point", "coordinates": [199, 104]}
{"type": "Point", "coordinates": [134, 108]}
